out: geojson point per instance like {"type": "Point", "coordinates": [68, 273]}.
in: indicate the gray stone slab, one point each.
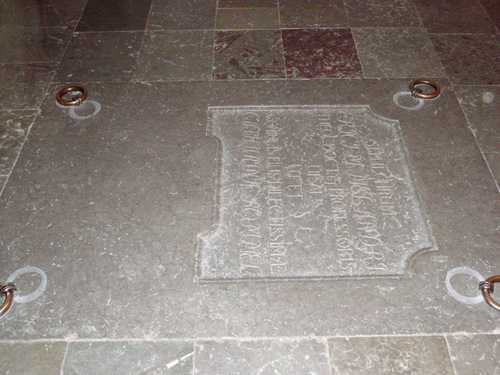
{"type": "Point", "coordinates": [129, 358]}
{"type": "Point", "coordinates": [475, 354]}
{"type": "Point", "coordinates": [32, 358]}
{"type": "Point", "coordinates": [247, 18]}
{"type": "Point", "coordinates": [311, 192]}
{"type": "Point", "coordinates": [182, 15]}
{"type": "Point", "coordinates": [381, 13]}
{"type": "Point", "coordinates": [263, 357]}
{"type": "Point", "coordinates": [390, 355]}
{"type": "Point", "coordinates": [114, 204]}
{"type": "Point", "coordinates": [493, 160]}
{"type": "Point", "coordinates": [312, 13]}
{"type": "Point", "coordinates": [3, 182]}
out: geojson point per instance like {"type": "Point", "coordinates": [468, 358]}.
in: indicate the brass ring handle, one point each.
{"type": "Point", "coordinates": [7, 290]}
{"type": "Point", "coordinates": [418, 93]}
{"type": "Point", "coordinates": [74, 101]}
{"type": "Point", "coordinates": [487, 289]}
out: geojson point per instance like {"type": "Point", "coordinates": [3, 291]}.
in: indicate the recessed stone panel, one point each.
{"type": "Point", "coordinates": [310, 192]}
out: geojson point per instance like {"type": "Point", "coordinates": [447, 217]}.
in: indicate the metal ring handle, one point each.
{"type": "Point", "coordinates": [418, 93]}
{"type": "Point", "coordinates": [9, 299]}
{"type": "Point", "coordinates": [487, 288]}
{"type": "Point", "coordinates": [75, 101]}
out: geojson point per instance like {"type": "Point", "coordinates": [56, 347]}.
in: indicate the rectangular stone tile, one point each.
{"type": "Point", "coordinates": [397, 53]}
{"type": "Point", "coordinates": [255, 54]}
{"type": "Point", "coordinates": [320, 54]}
{"type": "Point", "coordinates": [182, 14]}
{"type": "Point", "coordinates": [475, 354]}
{"type": "Point", "coordinates": [312, 13]}
{"type": "Point", "coordinates": [33, 45]}
{"type": "Point", "coordinates": [32, 358]}
{"type": "Point", "coordinates": [493, 160]}
{"type": "Point", "coordinates": [129, 358]}
{"type": "Point", "coordinates": [242, 18]}
{"type": "Point", "coordinates": [247, 3]}
{"type": "Point", "coordinates": [289, 357]}
{"type": "Point", "coordinates": [115, 15]}
{"type": "Point", "coordinates": [24, 85]}
{"type": "Point", "coordinates": [454, 16]}
{"type": "Point", "coordinates": [176, 55]}
{"type": "Point", "coordinates": [103, 56]}
{"type": "Point", "coordinates": [492, 7]}
{"type": "Point", "coordinates": [381, 13]}
{"type": "Point", "coordinates": [390, 355]}
{"type": "Point", "coordinates": [469, 59]}
{"type": "Point", "coordinates": [14, 128]}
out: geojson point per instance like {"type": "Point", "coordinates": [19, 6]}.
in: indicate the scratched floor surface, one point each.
{"type": "Point", "coordinates": [249, 199]}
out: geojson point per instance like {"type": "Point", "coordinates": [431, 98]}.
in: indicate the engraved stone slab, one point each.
{"type": "Point", "coordinates": [310, 192]}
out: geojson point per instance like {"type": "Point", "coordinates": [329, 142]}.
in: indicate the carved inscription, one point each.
{"type": "Point", "coordinates": [311, 192]}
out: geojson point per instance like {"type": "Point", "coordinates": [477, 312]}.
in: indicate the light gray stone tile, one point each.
{"type": "Point", "coordinates": [242, 18]}
{"type": "Point", "coordinates": [390, 355]}
{"type": "Point", "coordinates": [129, 358]}
{"type": "Point", "coordinates": [261, 357]}
{"type": "Point", "coordinates": [398, 52]}
{"type": "Point", "coordinates": [381, 13]}
{"type": "Point", "coordinates": [312, 13]}
{"type": "Point", "coordinates": [176, 55]}
{"type": "Point", "coordinates": [32, 358]}
{"type": "Point", "coordinates": [475, 354]}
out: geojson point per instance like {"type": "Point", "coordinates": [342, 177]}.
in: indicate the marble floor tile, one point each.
{"type": "Point", "coordinates": [255, 54]}
{"type": "Point", "coordinates": [325, 53]}
{"type": "Point", "coordinates": [247, 3]}
{"type": "Point", "coordinates": [33, 45]}
{"type": "Point", "coordinates": [24, 85]}
{"type": "Point", "coordinates": [454, 16]}
{"type": "Point", "coordinates": [25, 13]}
{"type": "Point", "coordinates": [182, 14]}
{"type": "Point", "coordinates": [381, 13]}
{"type": "Point", "coordinates": [492, 7]}
{"type": "Point", "coordinates": [475, 354]}
{"type": "Point", "coordinates": [493, 160]}
{"type": "Point", "coordinates": [176, 55]}
{"type": "Point", "coordinates": [14, 128]}
{"type": "Point", "coordinates": [390, 355]}
{"type": "Point", "coordinates": [129, 358]}
{"type": "Point", "coordinates": [262, 357]}
{"type": "Point", "coordinates": [3, 182]}
{"type": "Point", "coordinates": [107, 56]}
{"type": "Point", "coordinates": [32, 358]}
{"type": "Point", "coordinates": [469, 59]}
{"type": "Point", "coordinates": [312, 13]}
{"type": "Point", "coordinates": [244, 18]}
{"type": "Point", "coordinates": [115, 15]}
{"type": "Point", "coordinates": [397, 53]}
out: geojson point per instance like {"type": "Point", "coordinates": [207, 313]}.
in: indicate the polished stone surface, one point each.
{"type": "Point", "coordinates": [475, 354]}
{"type": "Point", "coordinates": [182, 14]}
{"type": "Point", "coordinates": [32, 358]}
{"type": "Point", "coordinates": [470, 59]}
{"type": "Point", "coordinates": [247, 3]}
{"type": "Point", "coordinates": [312, 13]}
{"type": "Point", "coordinates": [390, 355]}
{"type": "Point", "coordinates": [322, 53]}
{"type": "Point", "coordinates": [397, 53]}
{"type": "Point", "coordinates": [176, 55]}
{"type": "Point", "coordinates": [100, 57]}
{"type": "Point", "coordinates": [115, 15]}
{"type": "Point", "coordinates": [381, 13]}
{"type": "Point", "coordinates": [255, 54]}
{"type": "Point", "coordinates": [247, 18]}
{"type": "Point", "coordinates": [492, 7]}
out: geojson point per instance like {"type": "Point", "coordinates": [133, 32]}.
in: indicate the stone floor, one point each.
{"type": "Point", "coordinates": [141, 215]}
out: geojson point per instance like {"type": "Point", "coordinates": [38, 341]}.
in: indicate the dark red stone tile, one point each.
{"type": "Point", "coordinates": [492, 7]}
{"type": "Point", "coordinates": [321, 53]}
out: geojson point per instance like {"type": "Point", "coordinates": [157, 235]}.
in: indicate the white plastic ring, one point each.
{"type": "Point", "coordinates": [97, 109]}
{"type": "Point", "coordinates": [397, 95]}
{"type": "Point", "coordinates": [460, 297]}
{"type": "Point", "coordinates": [38, 292]}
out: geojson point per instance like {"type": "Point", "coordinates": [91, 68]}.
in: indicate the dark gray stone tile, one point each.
{"type": "Point", "coordinates": [243, 18]}
{"type": "Point", "coordinates": [312, 13]}
{"type": "Point", "coordinates": [398, 53]}
{"type": "Point", "coordinates": [475, 354]}
{"type": "Point", "coordinates": [247, 3]}
{"type": "Point", "coordinates": [115, 15]}
{"type": "Point", "coordinates": [14, 128]}
{"type": "Point", "coordinates": [390, 355]}
{"type": "Point", "coordinates": [109, 56]}
{"type": "Point", "coordinates": [176, 55]}
{"type": "Point", "coordinates": [454, 16]}
{"type": "Point", "coordinates": [493, 160]}
{"type": "Point", "coordinates": [182, 14]}
{"type": "Point", "coordinates": [255, 54]}
{"type": "Point", "coordinates": [33, 45]}
{"type": "Point", "coordinates": [262, 357]}
{"type": "Point", "coordinates": [129, 358]}
{"type": "Point", "coordinates": [381, 13]}
{"type": "Point", "coordinates": [24, 85]}
{"type": "Point", "coordinates": [32, 358]}
{"type": "Point", "coordinates": [3, 182]}
{"type": "Point", "coordinates": [470, 59]}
